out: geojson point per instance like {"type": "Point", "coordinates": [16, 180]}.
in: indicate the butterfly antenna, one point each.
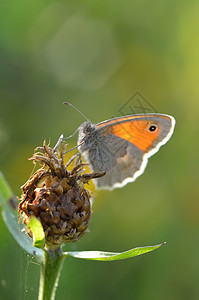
{"type": "Point", "coordinates": [67, 103]}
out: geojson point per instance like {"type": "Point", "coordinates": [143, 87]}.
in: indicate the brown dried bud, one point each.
{"type": "Point", "coordinates": [57, 197]}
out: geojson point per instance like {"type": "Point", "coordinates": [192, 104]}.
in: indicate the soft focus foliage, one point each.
{"type": "Point", "coordinates": [96, 55]}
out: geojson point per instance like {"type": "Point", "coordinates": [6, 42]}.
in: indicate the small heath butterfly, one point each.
{"type": "Point", "coordinates": [121, 146]}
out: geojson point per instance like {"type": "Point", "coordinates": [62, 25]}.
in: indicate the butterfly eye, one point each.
{"type": "Point", "coordinates": [152, 128]}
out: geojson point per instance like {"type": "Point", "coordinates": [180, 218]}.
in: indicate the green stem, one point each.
{"type": "Point", "coordinates": [50, 272]}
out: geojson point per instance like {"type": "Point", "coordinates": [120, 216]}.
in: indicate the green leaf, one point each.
{"type": "Point", "coordinates": [38, 233]}
{"type": "Point", "coordinates": [108, 256]}
{"type": "Point", "coordinates": [9, 215]}
{"type": "Point", "coordinates": [18, 232]}
{"type": "Point", "coordinates": [5, 191]}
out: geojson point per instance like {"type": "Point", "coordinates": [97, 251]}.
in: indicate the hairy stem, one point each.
{"type": "Point", "coordinates": [50, 272]}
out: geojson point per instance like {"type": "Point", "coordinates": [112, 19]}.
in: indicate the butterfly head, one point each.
{"type": "Point", "coordinates": [87, 127]}
{"type": "Point", "coordinates": [86, 130]}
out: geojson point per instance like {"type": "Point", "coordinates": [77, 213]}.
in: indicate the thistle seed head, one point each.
{"type": "Point", "coordinates": [57, 197]}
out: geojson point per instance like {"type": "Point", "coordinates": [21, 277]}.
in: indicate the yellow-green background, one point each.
{"type": "Point", "coordinates": [96, 54]}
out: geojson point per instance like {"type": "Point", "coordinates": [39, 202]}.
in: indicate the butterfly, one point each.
{"type": "Point", "coordinates": [121, 146]}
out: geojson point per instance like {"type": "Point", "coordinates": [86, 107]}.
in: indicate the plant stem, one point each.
{"type": "Point", "coordinates": [49, 274]}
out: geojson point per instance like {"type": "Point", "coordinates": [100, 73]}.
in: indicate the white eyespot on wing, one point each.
{"type": "Point", "coordinates": [134, 162]}
{"type": "Point", "coordinates": [123, 161]}
{"type": "Point", "coordinates": [167, 127]}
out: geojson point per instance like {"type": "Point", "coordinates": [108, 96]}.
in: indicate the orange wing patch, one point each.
{"type": "Point", "coordinates": [136, 132]}
{"type": "Point", "coordinates": [120, 119]}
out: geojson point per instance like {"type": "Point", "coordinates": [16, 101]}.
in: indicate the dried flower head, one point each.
{"type": "Point", "coordinates": [57, 197]}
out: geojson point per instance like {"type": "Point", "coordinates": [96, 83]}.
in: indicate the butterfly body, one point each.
{"type": "Point", "coordinates": [122, 146]}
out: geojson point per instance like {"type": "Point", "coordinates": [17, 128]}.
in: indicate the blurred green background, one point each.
{"type": "Point", "coordinates": [96, 54]}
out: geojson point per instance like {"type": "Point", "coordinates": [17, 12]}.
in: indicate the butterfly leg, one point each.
{"type": "Point", "coordinates": [70, 136]}
{"type": "Point", "coordinates": [74, 147]}
{"type": "Point", "coordinates": [60, 140]}
{"type": "Point", "coordinates": [77, 155]}
{"type": "Point", "coordinates": [79, 159]}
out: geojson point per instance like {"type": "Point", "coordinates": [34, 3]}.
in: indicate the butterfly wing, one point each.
{"type": "Point", "coordinates": [124, 145]}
